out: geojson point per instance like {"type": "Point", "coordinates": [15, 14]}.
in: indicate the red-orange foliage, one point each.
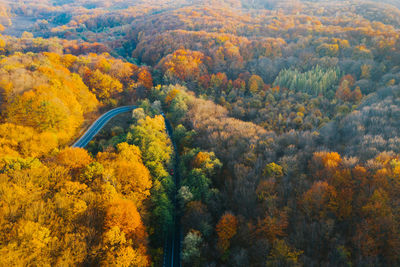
{"type": "Point", "coordinates": [239, 84]}
{"type": "Point", "coordinates": [344, 90]}
{"type": "Point", "coordinates": [124, 214]}
{"type": "Point", "coordinates": [344, 185]}
{"type": "Point", "coordinates": [226, 229]}
{"type": "Point", "coordinates": [378, 233]}
{"type": "Point", "coordinates": [204, 81]}
{"type": "Point", "coordinates": [272, 227]}
{"type": "Point", "coordinates": [144, 78]}
{"type": "Point", "coordinates": [319, 200]}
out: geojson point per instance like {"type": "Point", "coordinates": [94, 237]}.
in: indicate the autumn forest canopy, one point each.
{"type": "Point", "coordinates": [267, 130]}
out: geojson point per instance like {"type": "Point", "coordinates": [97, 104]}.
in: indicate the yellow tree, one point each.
{"type": "Point", "coordinates": [103, 85]}
{"type": "Point", "coordinates": [74, 158]}
{"type": "Point", "coordinates": [255, 83]}
{"type": "Point", "coordinates": [124, 214]}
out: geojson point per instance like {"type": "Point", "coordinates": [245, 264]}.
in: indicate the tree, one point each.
{"type": "Point", "coordinates": [356, 95]}
{"type": "Point", "coordinates": [272, 227]}
{"type": "Point", "coordinates": [273, 170]}
{"type": "Point", "coordinates": [219, 81]}
{"type": "Point", "coordinates": [145, 79]}
{"type": "Point", "coordinates": [328, 50]}
{"type": "Point", "coordinates": [198, 183]}
{"type": "Point", "coordinates": [319, 200]}
{"type": "Point", "coordinates": [316, 81]}
{"type": "Point", "coordinates": [171, 96]}
{"type": "Point", "coordinates": [123, 214]}
{"type": "Point", "coordinates": [378, 232]}
{"type": "Point", "coordinates": [255, 84]}
{"type": "Point", "coordinates": [103, 85]}
{"type": "Point", "coordinates": [125, 256]}
{"type": "Point", "coordinates": [197, 217]}
{"type": "Point", "coordinates": [343, 92]}
{"type": "Point", "coordinates": [25, 141]}
{"type": "Point", "coordinates": [207, 162]}
{"type": "Point", "coordinates": [365, 71]}
{"type": "Point", "coordinates": [283, 255]}
{"type": "Point", "coordinates": [91, 172]}
{"type": "Point", "coordinates": [226, 229]}
{"type": "Point", "coordinates": [134, 178]}
{"type": "Point", "coordinates": [74, 158]}
{"type": "Point", "coordinates": [162, 213]}
{"type": "Point", "coordinates": [328, 160]}
{"type": "Point", "coordinates": [150, 136]}
{"type": "Point", "coordinates": [183, 64]}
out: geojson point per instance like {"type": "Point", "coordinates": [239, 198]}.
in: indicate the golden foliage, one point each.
{"type": "Point", "coordinates": [328, 159]}
{"type": "Point", "coordinates": [123, 214]}
{"type": "Point", "coordinates": [74, 158]}
{"type": "Point", "coordinates": [53, 200]}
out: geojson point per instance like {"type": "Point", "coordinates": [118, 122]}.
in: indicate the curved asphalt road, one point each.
{"type": "Point", "coordinates": [172, 248]}
{"type": "Point", "coordinates": [99, 124]}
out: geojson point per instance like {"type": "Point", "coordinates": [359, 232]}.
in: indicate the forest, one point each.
{"type": "Point", "coordinates": [285, 118]}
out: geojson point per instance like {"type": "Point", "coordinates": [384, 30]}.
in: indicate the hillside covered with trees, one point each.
{"type": "Point", "coordinates": [285, 118]}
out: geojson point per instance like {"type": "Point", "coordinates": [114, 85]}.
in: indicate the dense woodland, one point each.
{"type": "Point", "coordinates": [285, 115]}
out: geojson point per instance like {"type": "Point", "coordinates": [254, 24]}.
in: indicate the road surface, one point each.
{"type": "Point", "coordinates": [99, 124]}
